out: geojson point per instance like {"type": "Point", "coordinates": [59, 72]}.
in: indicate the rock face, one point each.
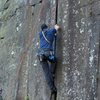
{"type": "Point", "coordinates": [78, 69]}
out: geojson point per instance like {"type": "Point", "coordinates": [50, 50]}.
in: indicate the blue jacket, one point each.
{"type": "Point", "coordinates": [49, 34]}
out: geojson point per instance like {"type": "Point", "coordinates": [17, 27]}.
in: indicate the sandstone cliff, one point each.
{"type": "Point", "coordinates": [77, 75]}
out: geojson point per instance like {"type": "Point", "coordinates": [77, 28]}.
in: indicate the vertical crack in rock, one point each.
{"type": "Point", "coordinates": [78, 49]}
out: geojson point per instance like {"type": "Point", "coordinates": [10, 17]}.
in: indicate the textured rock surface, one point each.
{"type": "Point", "coordinates": [78, 70]}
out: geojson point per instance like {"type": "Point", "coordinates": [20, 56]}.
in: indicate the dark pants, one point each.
{"type": "Point", "coordinates": [49, 68]}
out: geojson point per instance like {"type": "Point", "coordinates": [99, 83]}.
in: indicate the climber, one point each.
{"type": "Point", "coordinates": [46, 56]}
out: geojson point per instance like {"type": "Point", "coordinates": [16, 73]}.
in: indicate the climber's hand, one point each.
{"type": "Point", "coordinates": [57, 27]}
